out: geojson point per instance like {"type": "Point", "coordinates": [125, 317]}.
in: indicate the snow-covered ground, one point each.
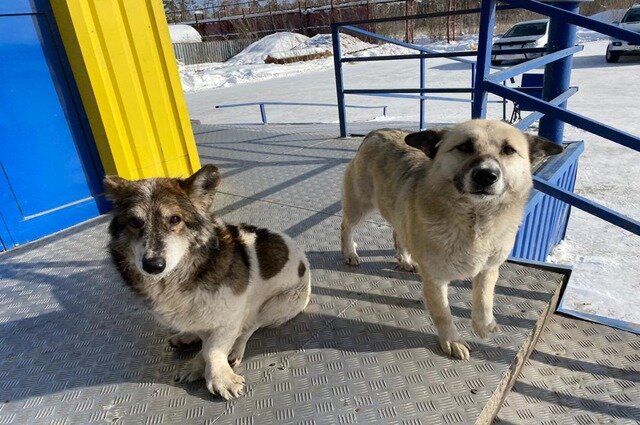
{"type": "Point", "coordinates": [606, 278]}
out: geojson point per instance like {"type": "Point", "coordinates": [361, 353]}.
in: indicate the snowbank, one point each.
{"type": "Point", "coordinates": [184, 34]}
{"type": "Point", "coordinates": [270, 45]}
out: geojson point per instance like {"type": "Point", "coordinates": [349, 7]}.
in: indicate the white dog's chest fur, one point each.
{"type": "Point", "coordinates": [458, 250]}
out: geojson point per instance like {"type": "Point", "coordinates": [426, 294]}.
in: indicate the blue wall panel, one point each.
{"type": "Point", "coordinates": [49, 170]}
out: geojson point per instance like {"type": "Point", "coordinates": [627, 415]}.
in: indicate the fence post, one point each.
{"type": "Point", "coordinates": [337, 66]}
{"type": "Point", "coordinates": [263, 113]}
{"type": "Point", "coordinates": [557, 75]}
{"type": "Point", "coordinates": [487, 22]}
{"type": "Point", "coordinates": [423, 85]}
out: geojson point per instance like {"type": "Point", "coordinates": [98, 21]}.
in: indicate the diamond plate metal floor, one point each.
{"type": "Point", "coordinates": [76, 347]}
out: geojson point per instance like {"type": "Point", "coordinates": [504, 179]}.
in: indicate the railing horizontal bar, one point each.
{"type": "Point", "coordinates": [391, 40]}
{"type": "Point", "coordinates": [420, 16]}
{"type": "Point", "coordinates": [414, 96]}
{"type": "Point", "coordinates": [577, 120]}
{"type": "Point", "coordinates": [579, 20]}
{"type": "Point", "coordinates": [524, 123]}
{"type": "Point", "coordinates": [587, 205]}
{"type": "Point", "coordinates": [432, 90]}
{"type": "Point", "coordinates": [440, 55]}
{"type": "Point", "coordinates": [233, 105]}
{"type": "Point", "coordinates": [533, 63]}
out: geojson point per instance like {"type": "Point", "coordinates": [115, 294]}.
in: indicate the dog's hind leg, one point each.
{"type": "Point", "coordinates": [184, 340]}
{"type": "Point", "coordinates": [402, 255]}
{"type": "Point", "coordinates": [355, 205]}
{"type": "Point", "coordinates": [275, 311]}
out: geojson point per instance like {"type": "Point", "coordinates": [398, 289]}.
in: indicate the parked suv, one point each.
{"type": "Point", "coordinates": [617, 48]}
{"type": "Point", "coordinates": [522, 35]}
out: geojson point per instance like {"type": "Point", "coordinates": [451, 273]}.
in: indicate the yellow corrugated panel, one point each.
{"type": "Point", "coordinates": [121, 56]}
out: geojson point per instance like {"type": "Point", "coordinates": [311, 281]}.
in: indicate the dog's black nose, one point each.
{"type": "Point", "coordinates": [485, 177]}
{"type": "Point", "coordinates": [153, 265]}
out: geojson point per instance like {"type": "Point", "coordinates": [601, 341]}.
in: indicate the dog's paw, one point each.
{"type": "Point", "coordinates": [407, 266]}
{"type": "Point", "coordinates": [484, 327]}
{"type": "Point", "coordinates": [456, 348]}
{"type": "Point", "coordinates": [192, 371]}
{"type": "Point", "coordinates": [225, 383]}
{"type": "Point", "coordinates": [183, 340]}
{"type": "Point", "coordinates": [352, 259]}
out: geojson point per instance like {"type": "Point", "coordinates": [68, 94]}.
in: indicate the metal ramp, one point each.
{"type": "Point", "coordinates": [76, 347]}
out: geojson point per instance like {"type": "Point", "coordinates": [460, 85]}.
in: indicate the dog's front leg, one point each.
{"type": "Point", "coordinates": [482, 310]}
{"type": "Point", "coordinates": [220, 377]}
{"type": "Point", "coordinates": [435, 297]}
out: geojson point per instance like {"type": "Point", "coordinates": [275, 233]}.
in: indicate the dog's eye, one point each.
{"type": "Point", "coordinates": [466, 147]}
{"type": "Point", "coordinates": [174, 219]}
{"type": "Point", "coordinates": [136, 223]}
{"type": "Point", "coordinates": [507, 149]}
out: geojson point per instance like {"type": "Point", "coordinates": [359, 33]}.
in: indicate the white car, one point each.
{"type": "Point", "coordinates": [617, 48]}
{"type": "Point", "coordinates": [523, 35]}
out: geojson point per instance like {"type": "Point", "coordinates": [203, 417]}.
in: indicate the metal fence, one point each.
{"type": "Point", "coordinates": [209, 51]}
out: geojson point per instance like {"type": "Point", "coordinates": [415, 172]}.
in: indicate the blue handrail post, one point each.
{"type": "Point", "coordinates": [263, 113]}
{"type": "Point", "coordinates": [337, 66]}
{"type": "Point", "coordinates": [473, 83]}
{"type": "Point", "coordinates": [485, 43]}
{"type": "Point", "coordinates": [423, 85]}
{"type": "Point", "coordinates": [557, 75]}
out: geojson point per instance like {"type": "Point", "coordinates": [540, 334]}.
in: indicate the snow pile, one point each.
{"type": "Point", "coordinates": [348, 43]}
{"type": "Point", "coordinates": [270, 45]}
{"type": "Point", "coordinates": [184, 34]}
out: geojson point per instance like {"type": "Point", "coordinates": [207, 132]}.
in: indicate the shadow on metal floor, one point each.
{"type": "Point", "coordinates": [76, 347]}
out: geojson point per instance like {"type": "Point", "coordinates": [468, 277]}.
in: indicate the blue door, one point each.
{"type": "Point", "coordinates": [49, 170]}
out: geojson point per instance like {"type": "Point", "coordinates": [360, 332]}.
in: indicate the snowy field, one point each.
{"type": "Point", "coordinates": [606, 277]}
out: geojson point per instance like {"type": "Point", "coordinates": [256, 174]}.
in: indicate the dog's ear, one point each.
{"type": "Point", "coordinates": [427, 141]}
{"type": "Point", "coordinates": [539, 147]}
{"type": "Point", "coordinates": [201, 186]}
{"type": "Point", "coordinates": [115, 188]}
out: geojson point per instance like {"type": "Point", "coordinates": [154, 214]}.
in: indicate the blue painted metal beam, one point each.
{"type": "Point", "coordinates": [391, 40]}
{"type": "Point", "coordinates": [485, 41]}
{"type": "Point", "coordinates": [524, 123]}
{"type": "Point", "coordinates": [337, 67]}
{"type": "Point", "coordinates": [425, 90]}
{"type": "Point", "coordinates": [557, 75]}
{"type": "Point", "coordinates": [577, 120]}
{"type": "Point", "coordinates": [575, 19]}
{"type": "Point", "coordinates": [234, 105]}
{"type": "Point", "coordinates": [449, 55]}
{"type": "Point", "coordinates": [417, 96]}
{"type": "Point", "coordinates": [531, 64]}
{"type": "Point", "coordinates": [588, 206]}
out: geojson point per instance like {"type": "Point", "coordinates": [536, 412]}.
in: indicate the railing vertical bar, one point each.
{"type": "Point", "coordinates": [423, 85]}
{"type": "Point", "coordinates": [557, 75]}
{"type": "Point", "coordinates": [337, 65]}
{"type": "Point", "coordinates": [487, 21]}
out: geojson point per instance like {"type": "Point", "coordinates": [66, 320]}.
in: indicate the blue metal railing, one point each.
{"type": "Point", "coordinates": [424, 54]}
{"type": "Point", "coordinates": [263, 109]}
{"type": "Point", "coordinates": [553, 112]}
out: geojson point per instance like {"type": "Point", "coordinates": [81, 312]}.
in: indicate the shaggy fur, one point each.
{"type": "Point", "coordinates": [213, 282]}
{"type": "Point", "coordinates": [455, 198]}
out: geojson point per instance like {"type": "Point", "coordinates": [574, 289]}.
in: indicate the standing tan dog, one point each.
{"type": "Point", "coordinates": [455, 198]}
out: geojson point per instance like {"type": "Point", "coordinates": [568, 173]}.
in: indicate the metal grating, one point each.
{"type": "Point", "coordinates": [77, 347]}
